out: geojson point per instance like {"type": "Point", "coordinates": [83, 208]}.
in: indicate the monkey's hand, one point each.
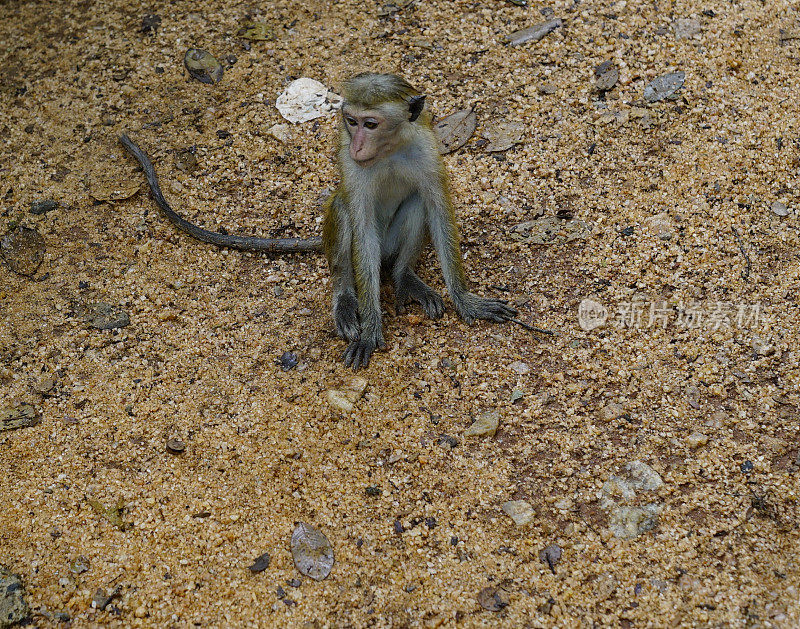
{"type": "Point", "coordinates": [359, 351]}
{"type": "Point", "coordinates": [470, 307]}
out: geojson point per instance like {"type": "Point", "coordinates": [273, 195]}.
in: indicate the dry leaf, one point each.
{"type": "Point", "coordinates": [454, 130]}
{"type": "Point", "coordinates": [503, 135]}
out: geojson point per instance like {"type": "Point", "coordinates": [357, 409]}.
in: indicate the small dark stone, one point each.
{"type": "Point", "coordinates": [373, 491]}
{"type": "Point", "coordinates": [61, 616]}
{"type": "Point", "coordinates": [746, 467]}
{"type": "Point", "coordinates": [431, 522]}
{"type": "Point", "coordinates": [82, 285]}
{"type": "Point", "coordinates": [550, 555]}
{"type": "Point", "coordinates": [159, 70]}
{"type": "Point", "coordinates": [289, 602]}
{"type": "Point", "coordinates": [43, 207]}
{"type": "Point", "coordinates": [454, 541]}
{"type": "Point", "coordinates": [398, 527]}
{"type": "Point", "coordinates": [295, 583]}
{"type": "Point", "coordinates": [100, 600]}
{"type": "Point", "coordinates": [230, 60]}
{"type": "Point", "coordinates": [203, 66]}
{"type": "Point", "coordinates": [80, 565]}
{"type": "Point", "coordinates": [150, 23]}
{"type": "Point", "coordinates": [105, 317]}
{"type": "Point", "coordinates": [280, 592]}
{"type": "Point", "coordinates": [260, 564]}
{"type": "Point", "coordinates": [175, 446]}
{"type": "Point", "coordinates": [447, 440]}
{"type": "Point", "coordinates": [288, 360]}
{"type": "Point", "coordinates": [626, 231]}
{"type": "Point", "coordinates": [222, 134]}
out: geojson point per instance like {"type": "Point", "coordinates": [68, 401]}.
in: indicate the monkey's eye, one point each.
{"type": "Point", "coordinates": [352, 122]}
{"type": "Point", "coordinates": [371, 124]}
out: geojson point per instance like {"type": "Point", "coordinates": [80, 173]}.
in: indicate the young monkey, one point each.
{"type": "Point", "coordinates": [392, 198]}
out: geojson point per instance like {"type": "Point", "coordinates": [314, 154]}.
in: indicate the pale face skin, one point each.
{"type": "Point", "coordinates": [370, 136]}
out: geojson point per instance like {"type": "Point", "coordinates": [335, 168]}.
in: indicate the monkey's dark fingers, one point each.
{"type": "Point", "coordinates": [474, 307]}
{"type": "Point", "coordinates": [433, 306]}
{"type": "Point", "coordinates": [505, 311]}
{"type": "Point", "coordinates": [358, 353]}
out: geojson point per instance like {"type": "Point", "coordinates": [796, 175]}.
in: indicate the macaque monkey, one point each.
{"type": "Point", "coordinates": [393, 198]}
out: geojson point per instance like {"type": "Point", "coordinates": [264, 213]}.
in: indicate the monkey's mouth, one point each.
{"type": "Point", "coordinates": [365, 163]}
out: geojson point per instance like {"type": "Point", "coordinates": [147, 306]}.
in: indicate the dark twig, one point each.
{"type": "Point", "coordinates": [532, 328]}
{"type": "Point", "coordinates": [747, 264]}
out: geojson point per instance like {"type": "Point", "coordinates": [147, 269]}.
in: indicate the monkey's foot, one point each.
{"type": "Point", "coordinates": [345, 315]}
{"type": "Point", "coordinates": [359, 351]}
{"type": "Point", "coordinates": [471, 307]}
{"type": "Point", "coordinates": [411, 287]}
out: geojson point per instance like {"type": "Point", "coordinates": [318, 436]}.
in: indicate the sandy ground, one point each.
{"type": "Point", "coordinates": [694, 374]}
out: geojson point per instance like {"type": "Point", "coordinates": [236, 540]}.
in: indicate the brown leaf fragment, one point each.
{"type": "Point", "coordinates": [503, 135]}
{"type": "Point", "coordinates": [112, 514]}
{"type": "Point", "coordinates": [455, 130]}
{"type": "Point", "coordinates": [789, 33]}
{"type": "Point", "coordinates": [551, 231]}
{"type": "Point", "coordinates": [606, 76]}
{"type": "Point", "coordinates": [533, 33]}
{"type": "Point", "coordinates": [492, 599]}
{"type": "Point", "coordinates": [664, 86]}
{"type": "Point", "coordinates": [14, 609]}
{"type": "Point", "coordinates": [256, 31]}
{"type": "Point", "coordinates": [22, 416]}
{"type": "Point", "coordinates": [101, 599]}
{"type": "Point", "coordinates": [112, 184]}
{"type": "Point", "coordinates": [23, 250]}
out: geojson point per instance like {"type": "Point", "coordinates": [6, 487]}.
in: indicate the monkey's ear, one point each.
{"type": "Point", "coordinates": [415, 105]}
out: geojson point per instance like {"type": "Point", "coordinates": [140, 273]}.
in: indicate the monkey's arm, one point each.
{"type": "Point", "coordinates": [337, 240]}
{"type": "Point", "coordinates": [366, 248]}
{"type": "Point", "coordinates": [444, 234]}
{"type": "Point", "coordinates": [247, 243]}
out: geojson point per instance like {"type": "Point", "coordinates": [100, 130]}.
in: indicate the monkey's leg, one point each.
{"type": "Point", "coordinates": [404, 240]}
{"type": "Point", "coordinates": [444, 234]}
{"type": "Point", "coordinates": [337, 239]}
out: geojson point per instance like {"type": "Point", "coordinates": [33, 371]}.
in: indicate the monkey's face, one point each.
{"type": "Point", "coordinates": [373, 135]}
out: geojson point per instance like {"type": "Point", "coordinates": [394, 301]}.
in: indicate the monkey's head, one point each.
{"type": "Point", "coordinates": [375, 108]}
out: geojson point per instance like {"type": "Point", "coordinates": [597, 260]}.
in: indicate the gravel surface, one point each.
{"type": "Point", "coordinates": [652, 460]}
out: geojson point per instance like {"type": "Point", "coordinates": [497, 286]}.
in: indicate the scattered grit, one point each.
{"type": "Point", "coordinates": [651, 462]}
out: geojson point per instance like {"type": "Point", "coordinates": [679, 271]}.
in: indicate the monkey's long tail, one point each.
{"type": "Point", "coordinates": [247, 243]}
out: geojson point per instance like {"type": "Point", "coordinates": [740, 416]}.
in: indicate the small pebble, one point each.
{"type": "Point", "coordinates": [42, 207]}
{"type": "Point", "coordinates": [175, 446]}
